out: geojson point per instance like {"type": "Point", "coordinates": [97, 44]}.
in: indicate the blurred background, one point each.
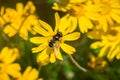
{"type": "Point", "coordinates": [61, 70]}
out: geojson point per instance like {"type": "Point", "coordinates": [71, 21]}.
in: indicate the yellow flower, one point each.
{"type": "Point", "coordinates": [61, 5]}
{"type": "Point", "coordinates": [21, 20]}
{"type": "Point", "coordinates": [7, 67]}
{"type": "Point", "coordinates": [51, 41]}
{"type": "Point", "coordinates": [81, 13]}
{"type": "Point", "coordinates": [110, 42]}
{"type": "Point", "coordinates": [109, 11]}
{"type": "Point", "coordinates": [96, 63]}
{"type": "Point", "coordinates": [29, 74]}
{"type": "Point", "coordinates": [96, 33]}
{"type": "Point", "coordinates": [1, 14]}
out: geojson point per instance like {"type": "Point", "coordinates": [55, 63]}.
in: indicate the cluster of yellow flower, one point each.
{"type": "Point", "coordinates": [17, 21]}
{"type": "Point", "coordinates": [102, 17]}
{"type": "Point", "coordinates": [10, 70]}
{"type": "Point", "coordinates": [99, 19]}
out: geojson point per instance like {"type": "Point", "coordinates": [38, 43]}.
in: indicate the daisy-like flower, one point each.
{"type": "Point", "coordinates": [51, 41]}
{"type": "Point", "coordinates": [96, 63]}
{"type": "Point", "coordinates": [30, 74]}
{"type": "Point", "coordinates": [7, 67]}
{"type": "Point", "coordinates": [109, 11]}
{"type": "Point", "coordinates": [81, 13]}
{"type": "Point", "coordinates": [20, 20]}
{"type": "Point", "coordinates": [109, 43]}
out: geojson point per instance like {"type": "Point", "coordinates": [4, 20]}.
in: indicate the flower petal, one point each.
{"type": "Point", "coordinates": [23, 33]}
{"type": "Point", "coordinates": [58, 54]}
{"type": "Point", "coordinates": [103, 23]}
{"type": "Point", "coordinates": [52, 57]}
{"type": "Point", "coordinates": [103, 51]}
{"type": "Point", "coordinates": [19, 8]}
{"type": "Point", "coordinates": [64, 24]}
{"type": "Point", "coordinates": [73, 23]}
{"type": "Point", "coordinates": [42, 57]}
{"type": "Point", "coordinates": [115, 17]}
{"type": "Point", "coordinates": [84, 24]}
{"type": "Point", "coordinates": [38, 40]}
{"type": "Point", "coordinates": [72, 36]}
{"type": "Point", "coordinates": [67, 48]}
{"type": "Point", "coordinates": [39, 48]}
{"type": "Point", "coordinates": [9, 31]}
{"type": "Point", "coordinates": [11, 55]}
{"type": "Point", "coordinates": [46, 26]}
{"type": "Point", "coordinates": [41, 30]}
{"type": "Point", "coordinates": [14, 70]}
{"type": "Point", "coordinates": [57, 20]}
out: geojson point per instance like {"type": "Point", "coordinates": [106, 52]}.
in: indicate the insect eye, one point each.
{"type": "Point", "coordinates": [56, 37]}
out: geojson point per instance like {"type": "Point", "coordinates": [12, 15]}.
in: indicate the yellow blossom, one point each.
{"type": "Point", "coordinates": [96, 63]}
{"type": "Point", "coordinates": [20, 20]}
{"type": "Point", "coordinates": [81, 13]}
{"type": "Point", "coordinates": [109, 11]}
{"type": "Point", "coordinates": [48, 46]}
{"type": "Point", "coordinates": [7, 67]}
{"type": "Point", "coordinates": [110, 42]}
{"type": "Point", "coordinates": [29, 74]}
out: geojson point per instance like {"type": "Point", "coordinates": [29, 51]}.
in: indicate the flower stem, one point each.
{"type": "Point", "coordinates": [39, 68]}
{"type": "Point", "coordinates": [76, 64]}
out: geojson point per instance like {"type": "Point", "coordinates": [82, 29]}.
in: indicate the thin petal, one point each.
{"type": "Point", "coordinates": [41, 31]}
{"type": "Point", "coordinates": [3, 53]}
{"type": "Point", "coordinates": [39, 48]}
{"type": "Point", "coordinates": [103, 51]}
{"type": "Point", "coordinates": [96, 44]}
{"type": "Point", "coordinates": [52, 57]}
{"type": "Point", "coordinates": [38, 40]}
{"type": "Point", "coordinates": [64, 24]}
{"type": "Point", "coordinates": [46, 26]}
{"type": "Point", "coordinates": [118, 56]}
{"type": "Point", "coordinates": [33, 74]}
{"type": "Point", "coordinates": [43, 56]}
{"type": "Point", "coordinates": [84, 24]}
{"type": "Point", "coordinates": [115, 17]}
{"type": "Point", "coordinates": [67, 48]}
{"type": "Point", "coordinates": [73, 23]}
{"type": "Point", "coordinates": [23, 33]}
{"type": "Point", "coordinates": [103, 23]}
{"type": "Point", "coordinates": [9, 31]}
{"type": "Point", "coordinates": [19, 8]}
{"type": "Point", "coordinates": [58, 54]}
{"type": "Point", "coordinates": [9, 55]}
{"type": "Point", "coordinates": [27, 71]}
{"type": "Point", "coordinates": [72, 36]}
{"type": "Point", "coordinates": [57, 19]}
{"type": "Point", "coordinates": [109, 19]}
{"type": "Point", "coordinates": [14, 70]}
{"type": "Point", "coordinates": [110, 56]}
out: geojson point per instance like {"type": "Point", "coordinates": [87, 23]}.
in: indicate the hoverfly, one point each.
{"type": "Point", "coordinates": [55, 38]}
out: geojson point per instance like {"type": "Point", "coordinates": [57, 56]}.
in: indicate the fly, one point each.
{"type": "Point", "coordinates": [55, 38]}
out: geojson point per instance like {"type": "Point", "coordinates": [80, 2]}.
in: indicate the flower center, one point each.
{"type": "Point", "coordinates": [113, 35]}
{"type": "Point", "coordinates": [77, 10]}
{"type": "Point", "coordinates": [113, 32]}
{"type": "Point", "coordinates": [104, 8]}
